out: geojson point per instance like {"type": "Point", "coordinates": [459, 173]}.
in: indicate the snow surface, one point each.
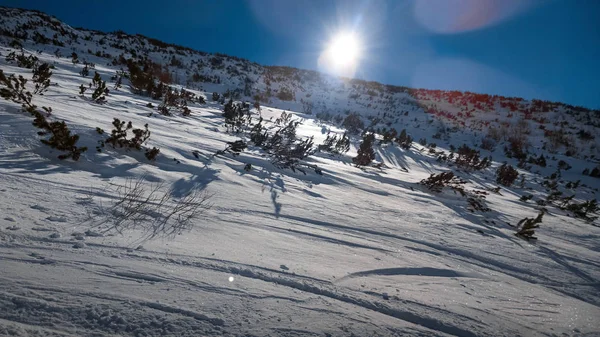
{"type": "Point", "coordinates": [354, 252]}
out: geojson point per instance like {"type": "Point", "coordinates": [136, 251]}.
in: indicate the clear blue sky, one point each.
{"type": "Point", "coordinates": [548, 49]}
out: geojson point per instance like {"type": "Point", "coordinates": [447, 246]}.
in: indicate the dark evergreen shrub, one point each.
{"type": "Point", "coordinates": [437, 182]}
{"type": "Point", "coordinates": [235, 148]}
{"type": "Point", "coordinates": [526, 227]}
{"type": "Point", "coordinates": [335, 144]}
{"type": "Point", "coordinates": [152, 153]}
{"type": "Point", "coordinates": [563, 165]}
{"type": "Point", "coordinates": [85, 71]}
{"type": "Point", "coordinates": [516, 148]}
{"type": "Point", "coordinates": [342, 145]}
{"type": "Point", "coordinates": [584, 209]}
{"type": "Point", "coordinates": [99, 94]}
{"type": "Point", "coordinates": [328, 143]}
{"type": "Point", "coordinates": [118, 136]}
{"type": "Point", "coordinates": [14, 89]}
{"type": "Point", "coordinates": [468, 158]}
{"type": "Point", "coordinates": [60, 136]}
{"type": "Point", "coordinates": [353, 123]}
{"type": "Point", "coordinates": [22, 61]}
{"type": "Point", "coordinates": [41, 78]}
{"type": "Point", "coordinates": [389, 136]}
{"type": "Point", "coordinates": [237, 116]}
{"type": "Point", "coordinates": [365, 152]}
{"type": "Point", "coordinates": [258, 134]}
{"type": "Point", "coordinates": [526, 197]}
{"type": "Point", "coordinates": [540, 161]}
{"type": "Point", "coordinates": [506, 175]}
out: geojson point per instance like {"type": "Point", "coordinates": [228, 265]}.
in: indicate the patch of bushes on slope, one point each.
{"type": "Point", "coordinates": [60, 136]}
{"type": "Point", "coordinates": [334, 144]}
{"type": "Point", "coordinates": [365, 153]}
{"type": "Point", "coordinates": [506, 175]}
{"type": "Point", "coordinates": [279, 142]}
{"type": "Point", "coordinates": [118, 138]}
{"type": "Point", "coordinates": [437, 183]}
{"type": "Point", "coordinates": [21, 60]}
{"type": "Point", "coordinates": [526, 227]}
{"type": "Point", "coordinates": [469, 159]}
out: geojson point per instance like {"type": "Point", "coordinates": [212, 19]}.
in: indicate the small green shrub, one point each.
{"type": "Point", "coordinates": [506, 175]}
{"type": "Point", "coordinates": [526, 227]}
{"type": "Point", "coordinates": [41, 78]}
{"type": "Point", "coordinates": [365, 152]}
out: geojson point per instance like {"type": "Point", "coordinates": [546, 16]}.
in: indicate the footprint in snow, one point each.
{"type": "Point", "coordinates": [78, 236]}
{"type": "Point", "coordinates": [284, 267]}
{"type": "Point", "coordinates": [13, 228]}
{"type": "Point", "coordinates": [39, 208]}
{"type": "Point", "coordinates": [93, 234]}
{"type": "Point", "coordinates": [37, 256]}
{"type": "Point", "coordinates": [42, 229]}
{"type": "Point", "coordinates": [10, 218]}
{"type": "Point", "coordinates": [57, 218]}
{"type": "Point", "coordinates": [79, 245]}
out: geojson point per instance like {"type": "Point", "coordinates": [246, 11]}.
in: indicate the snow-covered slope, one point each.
{"type": "Point", "coordinates": [349, 252]}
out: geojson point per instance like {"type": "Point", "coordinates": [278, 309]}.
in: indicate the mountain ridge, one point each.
{"type": "Point", "coordinates": [368, 83]}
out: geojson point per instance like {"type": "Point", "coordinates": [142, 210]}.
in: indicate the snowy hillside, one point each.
{"type": "Point", "coordinates": [250, 219]}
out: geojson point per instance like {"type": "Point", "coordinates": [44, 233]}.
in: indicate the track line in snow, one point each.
{"type": "Point", "coordinates": [329, 290]}
{"type": "Point", "coordinates": [423, 271]}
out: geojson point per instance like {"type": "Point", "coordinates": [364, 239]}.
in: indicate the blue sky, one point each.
{"type": "Point", "coordinates": [548, 49]}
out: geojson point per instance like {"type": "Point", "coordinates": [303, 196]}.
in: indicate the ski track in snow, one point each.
{"type": "Point", "coordinates": [355, 252]}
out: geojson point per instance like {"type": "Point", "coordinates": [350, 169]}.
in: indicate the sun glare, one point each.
{"type": "Point", "coordinates": [344, 50]}
{"type": "Point", "coordinates": [342, 54]}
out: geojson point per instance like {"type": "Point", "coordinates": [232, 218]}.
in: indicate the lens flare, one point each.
{"type": "Point", "coordinates": [344, 50]}
{"type": "Point", "coordinates": [457, 16]}
{"type": "Point", "coordinates": [342, 54]}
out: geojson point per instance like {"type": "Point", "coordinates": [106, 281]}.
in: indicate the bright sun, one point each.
{"type": "Point", "coordinates": [343, 50]}
{"type": "Point", "coordinates": [342, 55]}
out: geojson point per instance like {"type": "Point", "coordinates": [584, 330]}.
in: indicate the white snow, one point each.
{"type": "Point", "coordinates": [354, 252]}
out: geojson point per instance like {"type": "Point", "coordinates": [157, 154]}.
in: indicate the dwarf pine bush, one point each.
{"type": "Point", "coordinates": [365, 152]}
{"type": "Point", "coordinates": [506, 175]}
{"type": "Point", "coordinates": [41, 78]}
{"type": "Point", "coordinates": [60, 136]}
{"type": "Point", "coordinates": [526, 227]}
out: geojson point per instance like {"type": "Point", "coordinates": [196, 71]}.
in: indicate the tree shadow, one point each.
{"type": "Point", "coordinates": [391, 155]}
{"type": "Point", "coordinates": [490, 220]}
{"type": "Point", "coordinates": [183, 187]}
{"type": "Point", "coordinates": [276, 205]}
{"type": "Point", "coordinates": [263, 172]}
